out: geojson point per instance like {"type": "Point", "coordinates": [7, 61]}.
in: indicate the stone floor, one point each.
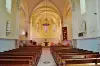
{"type": "Point", "coordinates": [46, 58]}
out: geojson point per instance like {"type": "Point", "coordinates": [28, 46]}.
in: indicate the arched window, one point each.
{"type": "Point", "coordinates": [83, 6]}
{"type": "Point", "coordinates": [54, 28]}
{"type": "Point", "coordinates": [8, 5]}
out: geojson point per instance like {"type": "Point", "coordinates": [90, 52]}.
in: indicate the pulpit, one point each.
{"type": "Point", "coordinates": [46, 43]}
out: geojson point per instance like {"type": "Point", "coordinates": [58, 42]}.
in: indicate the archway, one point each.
{"type": "Point", "coordinates": [45, 23]}
{"type": "Point", "coordinates": [23, 24]}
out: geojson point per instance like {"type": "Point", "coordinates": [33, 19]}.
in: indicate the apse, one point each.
{"type": "Point", "coordinates": [45, 22]}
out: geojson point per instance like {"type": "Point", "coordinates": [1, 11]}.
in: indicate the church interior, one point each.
{"type": "Point", "coordinates": [49, 33]}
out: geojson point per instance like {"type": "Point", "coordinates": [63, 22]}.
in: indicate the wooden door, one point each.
{"type": "Point", "coordinates": [64, 31]}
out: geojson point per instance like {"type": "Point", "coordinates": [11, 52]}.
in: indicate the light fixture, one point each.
{"type": "Point", "coordinates": [23, 32]}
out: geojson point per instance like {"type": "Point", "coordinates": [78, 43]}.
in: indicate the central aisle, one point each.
{"type": "Point", "coordinates": [46, 58]}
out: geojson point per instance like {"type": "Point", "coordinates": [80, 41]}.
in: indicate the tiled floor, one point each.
{"type": "Point", "coordinates": [46, 58]}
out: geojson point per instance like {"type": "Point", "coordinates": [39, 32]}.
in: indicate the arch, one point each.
{"type": "Point", "coordinates": [50, 15]}
{"type": "Point", "coordinates": [24, 7]}
{"type": "Point", "coordinates": [68, 11]}
{"type": "Point", "coordinates": [39, 15]}
{"type": "Point", "coordinates": [41, 5]}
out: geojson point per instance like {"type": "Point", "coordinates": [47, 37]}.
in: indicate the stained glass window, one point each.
{"type": "Point", "coordinates": [54, 28]}
{"type": "Point", "coordinates": [37, 27]}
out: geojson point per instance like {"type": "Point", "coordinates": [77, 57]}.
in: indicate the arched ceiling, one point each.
{"type": "Point", "coordinates": [46, 13]}
{"type": "Point", "coordinates": [46, 10]}
{"type": "Point", "coordinates": [24, 7]}
{"type": "Point", "coordinates": [60, 4]}
{"type": "Point", "coordinates": [56, 10]}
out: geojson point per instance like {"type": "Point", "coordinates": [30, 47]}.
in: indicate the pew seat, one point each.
{"type": "Point", "coordinates": [15, 62]}
{"type": "Point", "coordinates": [65, 56]}
{"type": "Point", "coordinates": [26, 56]}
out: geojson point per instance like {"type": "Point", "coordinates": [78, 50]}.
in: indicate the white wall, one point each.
{"type": "Point", "coordinates": [89, 44]}
{"type": "Point", "coordinates": [90, 41]}
{"type": "Point", "coordinates": [75, 17]}
{"type": "Point", "coordinates": [98, 14]}
{"type": "Point", "coordinates": [5, 16]}
{"type": "Point", "coordinates": [89, 17]}
{"type": "Point", "coordinates": [6, 45]}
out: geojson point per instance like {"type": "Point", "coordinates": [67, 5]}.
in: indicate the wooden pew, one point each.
{"type": "Point", "coordinates": [31, 54]}
{"type": "Point", "coordinates": [79, 62]}
{"type": "Point", "coordinates": [24, 56]}
{"type": "Point", "coordinates": [15, 62]}
{"type": "Point", "coordinates": [79, 57]}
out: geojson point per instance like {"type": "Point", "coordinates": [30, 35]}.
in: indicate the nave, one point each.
{"type": "Point", "coordinates": [46, 58]}
{"type": "Point", "coordinates": [49, 33]}
{"type": "Point", "coordinates": [53, 56]}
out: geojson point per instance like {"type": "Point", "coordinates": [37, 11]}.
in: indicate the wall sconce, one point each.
{"type": "Point", "coordinates": [8, 28]}
{"type": "Point", "coordinates": [25, 33]}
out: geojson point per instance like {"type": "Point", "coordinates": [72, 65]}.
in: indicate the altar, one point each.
{"type": "Point", "coordinates": [46, 44]}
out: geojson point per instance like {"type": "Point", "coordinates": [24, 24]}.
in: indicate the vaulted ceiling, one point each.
{"type": "Point", "coordinates": [61, 5]}
{"type": "Point", "coordinates": [38, 10]}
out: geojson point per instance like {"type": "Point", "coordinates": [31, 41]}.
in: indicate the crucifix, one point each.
{"type": "Point", "coordinates": [46, 25]}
